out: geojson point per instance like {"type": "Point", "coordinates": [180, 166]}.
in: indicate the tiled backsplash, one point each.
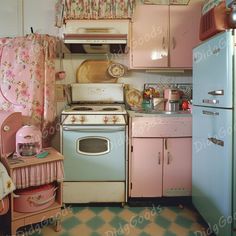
{"type": "Point", "coordinates": [185, 88]}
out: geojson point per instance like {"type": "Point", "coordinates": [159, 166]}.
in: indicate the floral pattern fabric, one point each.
{"type": "Point", "coordinates": [93, 9]}
{"type": "Point", "coordinates": [27, 77]}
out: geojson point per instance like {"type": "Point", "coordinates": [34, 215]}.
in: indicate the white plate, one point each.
{"type": "Point", "coordinates": [116, 70]}
{"type": "Point", "coordinates": [134, 98]}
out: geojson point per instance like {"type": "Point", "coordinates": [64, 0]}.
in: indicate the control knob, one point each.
{"type": "Point", "coordinates": [73, 119]}
{"type": "Point", "coordinates": [114, 119]}
{"type": "Point", "coordinates": [105, 119]}
{"type": "Point", "coordinates": [82, 119]}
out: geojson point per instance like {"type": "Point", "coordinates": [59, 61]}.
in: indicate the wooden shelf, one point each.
{"type": "Point", "coordinates": [19, 215]}
{"type": "Point", "coordinates": [33, 160]}
{"type": "Point", "coordinates": [19, 219]}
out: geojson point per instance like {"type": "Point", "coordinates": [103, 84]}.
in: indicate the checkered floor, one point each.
{"type": "Point", "coordinates": [117, 221]}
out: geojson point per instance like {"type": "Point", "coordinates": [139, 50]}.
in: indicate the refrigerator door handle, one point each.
{"type": "Point", "coordinates": [217, 92]}
{"type": "Point", "coordinates": [210, 113]}
{"type": "Point", "coordinates": [210, 101]}
{"type": "Point", "coordinates": [216, 141]}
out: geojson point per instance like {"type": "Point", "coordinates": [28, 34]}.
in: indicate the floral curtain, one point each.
{"type": "Point", "coordinates": [27, 77]}
{"type": "Point", "coordinates": [93, 9]}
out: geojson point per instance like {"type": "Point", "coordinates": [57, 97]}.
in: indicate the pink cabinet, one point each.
{"type": "Point", "coordinates": [177, 167]}
{"type": "Point", "coordinates": [184, 28]}
{"type": "Point", "coordinates": [146, 167]}
{"type": "Point", "coordinates": [166, 37]}
{"type": "Point", "coordinates": [160, 158]}
{"type": "Point", "coordinates": [149, 43]}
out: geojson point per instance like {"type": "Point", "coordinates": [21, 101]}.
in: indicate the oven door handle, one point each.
{"type": "Point", "coordinates": [80, 129]}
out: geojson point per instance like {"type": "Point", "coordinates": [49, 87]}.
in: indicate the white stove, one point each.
{"type": "Point", "coordinates": [85, 114]}
{"type": "Point", "coordinates": [98, 112]}
{"type": "Point", "coordinates": [94, 144]}
{"type": "Point", "coordinates": [95, 109]}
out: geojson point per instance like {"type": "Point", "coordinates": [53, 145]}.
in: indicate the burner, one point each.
{"type": "Point", "coordinates": [110, 109]}
{"type": "Point", "coordinates": [82, 109]}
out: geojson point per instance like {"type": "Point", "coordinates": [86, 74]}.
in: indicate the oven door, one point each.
{"type": "Point", "coordinates": [94, 153]}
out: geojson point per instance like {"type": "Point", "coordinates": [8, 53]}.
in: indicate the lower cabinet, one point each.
{"type": "Point", "coordinates": [160, 167]}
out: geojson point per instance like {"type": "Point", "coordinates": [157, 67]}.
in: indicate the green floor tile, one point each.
{"type": "Point", "coordinates": [95, 234]}
{"type": "Point", "coordinates": [118, 222]}
{"type": "Point", "coordinates": [183, 221]}
{"type": "Point", "coordinates": [70, 223]}
{"type": "Point", "coordinates": [176, 209]}
{"type": "Point", "coordinates": [95, 223]}
{"type": "Point", "coordinates": [139, 222]}
{"type": "Point", "coordinates": [136, 209]}
{"type": "Point", "coordinates": [169, 233]}
{"type": "Point", "coordinates": [144, 234]}
{"type": "Point", "coordinates": [77, 209]}
{"type": "Point", "coordinates": [162, 221]}
{"type": "Point", "coordinates": [64, 234]}
{"type": "Point", "coordinates": [97, 210]}
{"type": "Point", "coordinates": [191, 233]}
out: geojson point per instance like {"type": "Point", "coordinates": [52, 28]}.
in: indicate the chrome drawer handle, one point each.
{"type": "Point", "coordinates": [216, 141]}
{"type": "Point", "coordinates": [168, 158]}
{"type": "Point", "coordinates": [159, 158]}
{"type": "Point", "coordinates": [209, 101]}
{"type": "Point", "coordinates": [210, 113]}
{"type": "Point", "coordinates": [217, 92]}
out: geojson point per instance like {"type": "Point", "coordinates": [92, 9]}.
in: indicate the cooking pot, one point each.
{"type": "Point", "coordinates": [172, 105]}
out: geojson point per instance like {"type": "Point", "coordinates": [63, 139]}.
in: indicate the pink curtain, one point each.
{"type": "Point", "coordinates": [93, 9]}
{"type": "Point", "coordinates": [27, 77]}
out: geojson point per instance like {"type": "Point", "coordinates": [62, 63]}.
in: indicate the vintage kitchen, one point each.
{"type": "Point", "coordinates": [117, 117]}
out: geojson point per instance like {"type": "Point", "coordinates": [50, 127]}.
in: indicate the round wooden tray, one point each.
{"type": "Point", "coordinates": [94, 71]}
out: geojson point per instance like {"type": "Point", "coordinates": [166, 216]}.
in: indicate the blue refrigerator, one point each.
{"type": "Point", "coordinates": [213, 164]}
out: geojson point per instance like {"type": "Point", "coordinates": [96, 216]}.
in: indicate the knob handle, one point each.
{"type": "Point", "coordinates": [105, 119]}
{"type": "Point", "coordinates": [73, 119]}
{"type": "Point", "coordinates": [114, 119]}
{"type": "Point", "coordinates": [82, 119]}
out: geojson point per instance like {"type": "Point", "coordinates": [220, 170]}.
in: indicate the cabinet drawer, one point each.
{"type": "Point", "coordinates": [161, 127]}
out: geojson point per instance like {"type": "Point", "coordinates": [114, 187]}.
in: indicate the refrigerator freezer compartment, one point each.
{"type": "Point", "coordinates": [212, 74]}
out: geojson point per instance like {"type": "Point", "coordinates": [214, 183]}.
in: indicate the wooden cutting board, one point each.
{"type": "Point", "coordinates": [94, 71]}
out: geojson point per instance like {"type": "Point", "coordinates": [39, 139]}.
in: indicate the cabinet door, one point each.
{"type": "Point", "coordinates": [177, 167]}
{"type": "Point", "coordinates": [146, 167]}
{"type": "Point", "coordinates": [184, 33]}
{"type": "Point", "coordinates": [149, 44]}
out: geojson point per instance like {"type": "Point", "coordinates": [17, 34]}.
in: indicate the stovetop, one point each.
{"type": "Point", "coordinates": [95, 109]}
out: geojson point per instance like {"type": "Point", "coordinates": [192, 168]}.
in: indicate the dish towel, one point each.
{"type": "Point", "coordinates": [6, 184]}
{"type": "Point", "coordinates": [6, 187]}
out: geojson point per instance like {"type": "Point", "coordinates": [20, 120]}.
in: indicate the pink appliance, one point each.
{"type": "Point", "coordinates": [172, 97]}
{"type": "Point", "coordinates": [10, 122]}
{"type": "Point", "coordinates": [28, 141]}
{"type": "Point", "coordinates": [34, 198]}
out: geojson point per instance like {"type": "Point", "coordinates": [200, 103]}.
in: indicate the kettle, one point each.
{"type": "Point", "coordinates": [28, 141]}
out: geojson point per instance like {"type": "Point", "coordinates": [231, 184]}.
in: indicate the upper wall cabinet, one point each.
{"type": "Point", "coordinates": [166, 37]}
{"type": "Point", "coordinates": [10, 18]}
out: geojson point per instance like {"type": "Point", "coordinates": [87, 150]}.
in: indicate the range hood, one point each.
{"type": "Point", "coordinates": [96, 36]}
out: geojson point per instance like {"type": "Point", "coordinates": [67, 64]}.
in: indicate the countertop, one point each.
{"type": "Point", "coordinates": [141, 113]}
